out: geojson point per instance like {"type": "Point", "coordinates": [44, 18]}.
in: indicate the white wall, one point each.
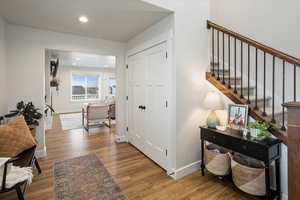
{"type": "Point", "coordinates": [62, 102]}
{"type": "Point", "coordinates": [3, 91]}
{"type": "Point", "coordinates": [271, 22]}
{"type": "Point", "coordinates": [276, 26]}
{"type": "Point", "coordinates": [190, 63]}
{"type": "Point", "coordinates": [26, 61]}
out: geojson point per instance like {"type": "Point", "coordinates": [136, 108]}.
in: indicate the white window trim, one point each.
{"type": "Point", "coordinates": [84, 73]}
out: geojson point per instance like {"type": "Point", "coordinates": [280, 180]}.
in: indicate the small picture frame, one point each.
{"type": "Point", "coordinates": [237, 116]}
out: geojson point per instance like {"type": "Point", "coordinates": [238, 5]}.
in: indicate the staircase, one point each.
{"type": "Point", "coordinates": [253, 74]}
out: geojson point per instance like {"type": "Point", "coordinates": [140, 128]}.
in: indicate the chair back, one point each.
{"type": "Point", "coordinates": [97, 111]}
{"type": "Point", "coordinates": [24, 159]}
{"type": "Point", "coordinates": [112, 111]}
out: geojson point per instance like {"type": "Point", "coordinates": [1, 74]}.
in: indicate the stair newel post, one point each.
{"type": "Point", "coordinates": [235, 90]}
{"type": "Point", "coordinates": [293, 138]}
{"type": "Point", "coordinates": [223, 58]}
{"type": "Point", "coordinates": [242, 96]}
{"type": "Point", "coordinates": [256, 77]}
{"type": "Point", "coordinates": [283, 95]}
{"type": "Point", "coordinates": [218, 54]}
{"type": "Point", "coordinates": [264, 111]}
{"type": "Point", "coordinates": [295, 83]}
{"type": "Point", "coordinates": [213, 50]}
{"type": "Point", "coordinates": [248, 101]}
{"type": "Point", "coordinates": [229, 65]}
{"type": "Point", "coordinates": [273, 92]}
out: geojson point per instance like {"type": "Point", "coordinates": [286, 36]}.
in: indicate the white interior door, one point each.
{"type": "Point", "coordinates": [136, 99]}
{"type": "Point", "coordinates": [156, 118]}
{"type": "Point", "coordinates": [149, 88]}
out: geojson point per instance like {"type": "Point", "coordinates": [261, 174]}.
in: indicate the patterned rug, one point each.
{"type": "Point", "coordinates": [84, 178]}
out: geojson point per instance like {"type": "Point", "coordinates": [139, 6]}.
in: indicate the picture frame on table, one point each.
{"type": "Point", "coordinates": [237, 116]}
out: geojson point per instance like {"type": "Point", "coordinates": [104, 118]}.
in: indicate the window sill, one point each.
{"type": "Point", "coordinates": [84, 101]}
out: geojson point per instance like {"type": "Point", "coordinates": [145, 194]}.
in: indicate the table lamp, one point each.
{"type": "Point", "coordinates": [213, 101]}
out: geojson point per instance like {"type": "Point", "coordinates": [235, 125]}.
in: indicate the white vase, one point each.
{"type": "Point", "coordinates": [254, 132]}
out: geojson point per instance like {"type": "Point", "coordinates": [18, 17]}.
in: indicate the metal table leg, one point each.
{"type": "Point", "coordinates": [202, 158]}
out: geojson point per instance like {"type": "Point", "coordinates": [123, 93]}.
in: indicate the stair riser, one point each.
{"type": "Point", "coordinates": [245, 91]}
{"type": "Point", "coordinates": [226, 72]}
{"type": "Point", "coordinates": [238, 81]}
{"type": "Point", "coordinates": [260, 102]}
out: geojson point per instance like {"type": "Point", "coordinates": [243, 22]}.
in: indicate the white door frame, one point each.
{"type": "Point", "coordinates": [168, 38]}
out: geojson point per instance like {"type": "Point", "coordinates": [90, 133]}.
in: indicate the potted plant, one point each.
{"type": "Point", "coordinates": [260, 130]}
{"type": "Point", "coordinates": [31, 115]}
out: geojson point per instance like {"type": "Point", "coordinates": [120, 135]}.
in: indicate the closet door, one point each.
{"type": "Point", "coordinates": [148, 87]}
{"type": "Point", "coordinates": [156, 115]}
{"type": "Point", "coordinates": [136, 100]}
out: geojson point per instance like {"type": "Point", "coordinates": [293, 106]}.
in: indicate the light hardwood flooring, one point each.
{"type": "Point", "coordinates": [136, 175]}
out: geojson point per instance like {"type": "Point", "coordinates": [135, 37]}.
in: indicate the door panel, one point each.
{"type": "Point", "coordinates": [137, 98]}
{"type": "Point", "coordinates": [157, 112]}
{"type": "Point", "coordinates": [148, 86]}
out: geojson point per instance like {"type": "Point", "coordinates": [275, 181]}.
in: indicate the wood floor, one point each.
{"type": "Point", "coordinates": [136, 175]}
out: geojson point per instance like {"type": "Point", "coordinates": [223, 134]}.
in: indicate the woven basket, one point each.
{"type": "Point", "coordinates": [248, 179]}
{"type": "Point", "coordinates": [217, 163]}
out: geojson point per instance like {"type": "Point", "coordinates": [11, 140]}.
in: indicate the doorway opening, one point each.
{"type": "Point", "coordinates": [80, 88]}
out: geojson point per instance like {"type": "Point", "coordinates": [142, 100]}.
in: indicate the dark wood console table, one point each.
{"type": "Point", "coordinates": [268, 151]}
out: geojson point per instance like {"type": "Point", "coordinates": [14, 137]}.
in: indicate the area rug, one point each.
{"type": "Point", "coordinates": [84, 178]}
{"type": "Point", "coordinates": [71, 121]}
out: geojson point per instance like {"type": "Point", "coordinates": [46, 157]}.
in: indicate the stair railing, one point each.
{"type": "Point", "coordinates": [260, 50]}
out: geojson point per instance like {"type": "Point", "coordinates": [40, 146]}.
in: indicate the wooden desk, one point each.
{"type": "Point", "coordinates": [268, 151]}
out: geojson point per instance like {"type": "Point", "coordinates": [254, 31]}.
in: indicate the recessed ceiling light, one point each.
{"type": "Point", "coordinates": [78, 59]}
{"type": "Point", "coordinates": [83, 19]}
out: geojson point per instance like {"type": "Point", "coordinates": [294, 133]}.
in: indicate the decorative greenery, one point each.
{"type": "Point", "coordinates": [28, 110]}
{"type": "Point", "coordinates": [264, 127]}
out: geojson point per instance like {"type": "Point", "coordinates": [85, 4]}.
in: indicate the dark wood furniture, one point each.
{"type": "Point", "coordinates": [268, 151]}
{"type": "Point", "coordinates": [293, 131]}
{"type": "Point", "coordinates": [1, 120]}
{"type": "Point", "coordinates": [24, 159]}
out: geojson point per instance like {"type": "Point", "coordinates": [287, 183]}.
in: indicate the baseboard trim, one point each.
{"type": "Point", "coordinates": [39, 153]}
{"type": "Point", "coordinates": [186, 170]}
{"type": "Point", "coordinates": [284, 196]}
{"type": "Point", "coordinates": [120, 139]}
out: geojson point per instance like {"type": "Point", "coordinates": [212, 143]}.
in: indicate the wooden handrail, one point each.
{"type": "Point", "coordinates": [274, 52]}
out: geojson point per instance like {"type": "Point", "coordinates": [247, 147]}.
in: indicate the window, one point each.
{"type": "Point", "coordinates": [85, 87]}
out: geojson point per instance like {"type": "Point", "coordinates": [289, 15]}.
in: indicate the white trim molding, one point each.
{"type": "Point", "coordinates": [121, 138]}
{"type": "Point", "coordinates": [150, 43]}
{"type": "Point", "coordinates": [186, 170]}
{"type": "Point", "coordinates": [284, 196]}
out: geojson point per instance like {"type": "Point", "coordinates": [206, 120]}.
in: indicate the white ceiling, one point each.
{"type": "Point", "coordinates": [78, 59]}
{"type": "Point", "coordinates": [118, 20]}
